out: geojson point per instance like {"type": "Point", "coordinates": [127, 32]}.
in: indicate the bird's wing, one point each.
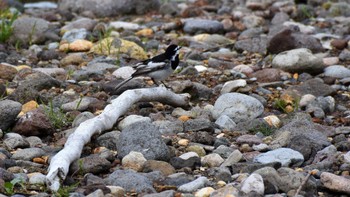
{"type": "Point", "coordinates": [151, 66]}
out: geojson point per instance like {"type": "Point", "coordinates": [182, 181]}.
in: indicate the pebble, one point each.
{"type": "Point", "coordinates": [298, 60]}
{"type": "Point", "coordinates": [8, 112]}
{"type": "Point", "coordinates": [165, 168]}
{"type": "Point", "coordinates": [225, 123]}
{"type": "Point", "coordinates": [145, 138]}
{"type": "Point", "coordinates": [188, 155]}
{"type": "Point", "coordinates": [132, 119]}
{"type": "Point", "coordinates": [237, 106]}
{"type": "Point", "coordinates": [134, 160]}
{"type": "Point", "coordinates": [335, 183]}
{"type": "Point", "coordinates": [285, 156]}
{"type": "Point", "coordinates": [254, 183]}
{"type": "Point", "coordinates": [130, 180]}
{"type": "Point", "coordinates": [197, 149]}
{"type": "Point", "coordinates": [183, 142]}
{"type": "Point", "coordinates": [234, 157]}
{"type": "Point", "coordinates": [14, 140]}
{"type": "Point", "coordinates": [212, 160]}
{"type": "Point", "coordinates": [204, 192]}
{"type": "Point", "coordinates": [28, 154]}
{"type": "Point", "coordinates": [337, 71]}
{"type": "Point", "coordinates": [198, 183]}
{"type": "Point", "coordinates": [193, 26]}
{"type": "Point", "coordinates": [232, 86]}
{"type": "Point", "coordinates": [37, 179]}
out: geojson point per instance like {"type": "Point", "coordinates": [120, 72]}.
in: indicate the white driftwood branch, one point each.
{"type": "Point", "coordinates": [59, 164]}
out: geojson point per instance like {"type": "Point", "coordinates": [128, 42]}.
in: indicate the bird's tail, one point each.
{"type": "Point", "coordinates": [122, 83]}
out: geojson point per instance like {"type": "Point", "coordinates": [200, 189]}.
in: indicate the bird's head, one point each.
{"type": "Point", "coordinates": [172, 51]}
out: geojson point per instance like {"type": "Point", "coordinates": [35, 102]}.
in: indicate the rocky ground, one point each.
{"type": "Point", "coordinates": [268, 116]}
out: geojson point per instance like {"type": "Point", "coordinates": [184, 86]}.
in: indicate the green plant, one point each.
{"type": "Point", "coordinates": [7, 18]}
{"type": "Point", "coordinates": [65, 190]}
{"type": "Point", "coordinates": [10, 186]}
{"type": "Point", "coordinates": [79, 102]}
{"type": "Point", "coordinates": [105, 41]}
{"type": "Point", "coordinates": [31, 34]}
{"type": "Point", "coordinates": [305, 11]}
{"type": "Point", "coordinates": [70, 73]}
{"type": "Point", "coordinates": [287, 104]}
{"type": "Point", "coordinates": [18, 45]}
{"type": "Point", "coordinates": [265, 129]}
{"type": "Point", "coordinates": [56, 116]}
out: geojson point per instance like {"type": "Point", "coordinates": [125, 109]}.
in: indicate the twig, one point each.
{"type": "Point", "coordinates": [302, 184]}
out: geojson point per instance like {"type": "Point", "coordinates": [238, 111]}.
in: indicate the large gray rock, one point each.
{"type": "Point", "coordinates": [34, 123]}
{"type": "Point", "coordinates": [193, 26]}
{"type": "Point", "coordinates": [335, 183]}
{"type": "Point", "coordinates": [143, 137]}
{"type": "Point", "coordinates": [28, 154]}
{"type": "Point", "coordinates": [104, 8]}
{"type": "Point", "coordinates": [285, 156]}
{"type": "Point", "coordinates": [238, 107]}
{"type": "Point", "coordinates": [109, 140]}
{"type": "Point", "coordinates": [305, 137]}
{"type": "Point", "coordinates": [130, 180]}
{"type": "Point", "coordinates": [29, 30]}
{"type": "Point", "coordinates": [298, 60]}
{"type": "Point", "coordinates": [314, 86]}
{"type": "Point", "coordinates": [90, 164]}
{"type": "Point", "coordinates": [291, 37]}
{"type": "Point", "coordinates": [8, 112]}
{"type": "Point", "coordinates": [29, 87]}
{"type": "Point", "coordinates": [286, 179]}
{"type": "Point", "coordinates": [337, 71]}
{"type": "Point", "coordinates": [256, 44]}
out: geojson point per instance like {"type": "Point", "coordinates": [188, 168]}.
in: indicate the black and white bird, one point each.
{"type": "Point", "coordinates": [157, 68]}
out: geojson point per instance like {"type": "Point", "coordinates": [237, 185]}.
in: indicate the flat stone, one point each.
{"type": "Point", "coordinates": [285, 156]}
{"type": "Point", "coordinates": [130, 181]}
{"type": "Point", "coordinates": [199, 183]}
{"type": "Point", "coordinates": [28, 154]}
{"type": "Point", "coordinates": [298, 60]}
{"type": "Point", "coordinates": [335, 183]}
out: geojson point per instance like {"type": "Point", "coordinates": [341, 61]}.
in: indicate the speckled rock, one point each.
{"type": "Point", "coordinates": [130, 180]}
{"type": "Point", "coordinates": [145, 138]}
{"type": "Point", "coordinates": [298, 60]}
{"type": "Point", "coordinates": [237, 106]}
{"type": "Point", "coordinates": [8, 112]}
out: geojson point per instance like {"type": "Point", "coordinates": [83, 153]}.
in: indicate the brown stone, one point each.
{"type": "Point", "coordinates": [339, 44]}
{"type": "Point", "coordinates": [7, 72]}
{"type": "Point", "coordinates": [267, 75]}
{"type": "Point", "coordinates": [34, 123]}
{"type": "Point", "coordinates": [335, 183]}
{"type": "Point", "coordinates": [163, 167]}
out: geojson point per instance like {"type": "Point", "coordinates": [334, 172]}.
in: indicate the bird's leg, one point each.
{"type": "Point", "coordinates": [162, 83]}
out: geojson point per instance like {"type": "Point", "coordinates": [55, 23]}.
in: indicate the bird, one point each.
{"type": "Point", "coordinates": [158, 68]}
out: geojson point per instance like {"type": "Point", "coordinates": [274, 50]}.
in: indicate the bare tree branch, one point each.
{"type": "Point", "coordinates": [59, 165]}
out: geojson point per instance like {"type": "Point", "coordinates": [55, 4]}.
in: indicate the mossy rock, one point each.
{"type": "Point", "coordinates": [115, 46]}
